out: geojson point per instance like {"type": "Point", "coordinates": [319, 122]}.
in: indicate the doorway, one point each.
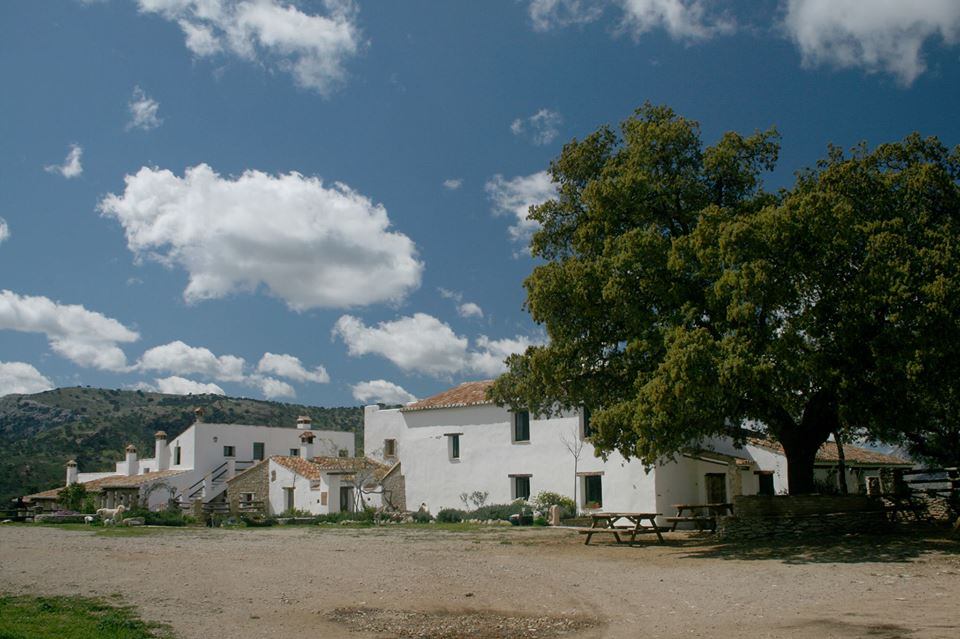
{"type": "Point", "coordinates": [346, 499]}
{"type": "Point", "coordinates": [716, 485]}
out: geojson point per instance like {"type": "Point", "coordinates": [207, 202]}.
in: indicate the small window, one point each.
{"type": "Point", "coordinates": [766, 483]}
{"type": "Point", "coordinates": [521, 426]}
{"type": "Point", "coordinates": [453, 446]}
{"type": "Point", "coordinates": [343, 452]}
{"type": "Point", "coordinates": [229, 451]}
{"type": "Point", "coordinates": [587, 427]}
{"type": "Point", "coordinates": [273, 475]}
{"type": "Point", "coordinates": [294, 452]}
{"type": "Point", "coordinates": [146, 470]}
{"type": "Point", "coordinates": [389, 448]}
{"type": "Point", "coordinates": [593, 491]}
{"type": "Point", "coordinates": [176, 456]}
{"type": "Point", "coordinates": [258, 450]}
{"type": "Point", "coordinates": [521, 487]}
{"type": "Point", "coordinates": [246, 498]}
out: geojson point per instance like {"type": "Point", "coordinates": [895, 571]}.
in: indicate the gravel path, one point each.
{"type": "Point", "coordinates": [400, 582]}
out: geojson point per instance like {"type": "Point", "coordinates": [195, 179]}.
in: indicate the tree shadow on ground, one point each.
{"type": "Point", "coordinates": [900, 546]}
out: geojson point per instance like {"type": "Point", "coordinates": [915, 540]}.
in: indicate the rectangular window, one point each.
{"type": "Point", "coordinates": [593, 491]}
{"type": "Point", "coordinates": [389, 448]}
{"type": "Point", "coordinates": [294, 452]}
{"type": "Point", "coordinates": [258, 450]}
{"type": "Point", "coordinates": [521, 486]}
{"type": "Point", "coordinates": [766, 483]}
{"type": "Point", "coordinates": [176, 456]}
{"type": "Point", "coordinates": [521, 426]}
{"type": "Point", "coordinates": [229, 451]}
{"type": "Point", "coordinates": [585, 416]}
{"type": "Point", "coordinates": [453, 445]}
{"type": "Point", "coordinates": [246, 498]}
{"type": "Point", "coordinates": [145, 470]}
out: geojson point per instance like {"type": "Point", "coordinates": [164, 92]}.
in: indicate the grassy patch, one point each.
{"type": "Point", "coordinates": [24, 617]}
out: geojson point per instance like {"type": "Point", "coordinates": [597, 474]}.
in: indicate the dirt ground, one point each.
{"type": "Point", "coordinates": [314, 582]}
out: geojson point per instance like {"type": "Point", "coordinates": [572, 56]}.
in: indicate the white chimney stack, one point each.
{"type": "Point", "coordinates": [161, 450]}
{"type": "Point", "coordinates": [71, 472]}
{"type": "Point", "coordinates": [198, 414]}
{"type": "Point", "coordinates": [303, 423]}
{"type": "Point", "coordinates": [133, 466]}
{"type": "Point", "coordinates": [306, 445]}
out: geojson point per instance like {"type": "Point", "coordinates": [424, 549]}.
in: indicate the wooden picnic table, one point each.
{"type": "Point", "coordinates": [696, 517]}
{"type": "Point", "coordinates": [607, 523]}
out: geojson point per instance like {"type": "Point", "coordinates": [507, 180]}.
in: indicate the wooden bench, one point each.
{"type": "Point", "coordinates": [699, 521]}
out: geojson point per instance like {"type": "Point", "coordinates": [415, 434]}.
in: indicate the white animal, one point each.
{"type": "Point", "coordinates": [113, 515]}
{"type": "Point", "coordinates": [89, 519]}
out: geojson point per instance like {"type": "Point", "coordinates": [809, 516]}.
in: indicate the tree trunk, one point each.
{"type": "Point", "coordinates": [800, 459]}
{"type": "Point", "coordinates": [802, 441]}
{"type": "Point", "coordinates": [841, 463]}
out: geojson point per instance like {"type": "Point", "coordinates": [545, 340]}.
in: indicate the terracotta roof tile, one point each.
{"type": "Point", "coordinates": [315, 467]}
{"type": "Point", "coordinates": [466, 394]}
{"type": "Point", "coordinates": [852, 454]}
{"type": "Point", "coordinates": [114, 481]}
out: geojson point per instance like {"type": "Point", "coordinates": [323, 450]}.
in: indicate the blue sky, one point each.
{"type": "Point", "coordinates": [323, 202]}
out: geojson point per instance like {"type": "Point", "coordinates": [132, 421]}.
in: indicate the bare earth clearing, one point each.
{"type": "Point", "coordinates": [420, 582]}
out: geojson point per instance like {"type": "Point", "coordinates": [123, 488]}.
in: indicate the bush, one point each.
{"type": "Point", "coordinates": [258, 522]}
{"type": "Point", "coordinates": [450, 516]}
{"type": "Point", "coordinates": [422, 517]}
{"type": "Point", "coordinates": [546, 499]}
{"type": "Point", "coordinates": [72, 497]}
{"type": "Point", "coordinates": [165, 518]}
{"type": "Point", "coordinates": [499, 511]}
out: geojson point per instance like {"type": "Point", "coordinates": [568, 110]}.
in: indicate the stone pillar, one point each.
{"type": "Point", "coordinates": [553, 517]}
{"type": "Point", "coordinates": [207, 486]}
{"type": "Point", "coordinates": [735, 480]}
{"type": "Point", "coordinates": [197, 509]}
{"type": "Point", "coordinates": [231, 468]}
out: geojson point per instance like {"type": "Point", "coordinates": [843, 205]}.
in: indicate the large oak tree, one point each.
{"type": "Point", "coordinates": [682, 300]}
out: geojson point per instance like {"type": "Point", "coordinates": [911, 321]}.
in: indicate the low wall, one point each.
{"type": "Point", "coordinates": [789, 517]}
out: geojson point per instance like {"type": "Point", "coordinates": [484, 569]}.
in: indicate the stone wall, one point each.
{"type": "Point", "coordinates": [395, 491]}
{"type": "Point", "coordinates": [254, 480]}
{"type": "Point", "coordinates": [788, 517]}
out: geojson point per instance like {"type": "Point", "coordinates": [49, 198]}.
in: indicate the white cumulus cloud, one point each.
{"type": "Point", "coordinates": [313, 48]}
{"type": "Point", "coordinates": [309, 245]}
{"type": "Point", "coordinates": [878, 36]}
{"type": "Point", "coordinates": [182, 359]}
{"type": "Point", "coordinates": [469, 309]}
{"type": "Point", "coordinates": [540, 128]}
{"type": "Point", "coordinates": [292, 368]}
{"type": "Point", "coordinates": [21, 378]}
{"type": "Point", "coordinates": [71, 166]}
{"type": "Point", "coordinates": [4, 230]}
{"type": "Point", "coordinates": [380, 391]}
{"type": "Point", "coordinates": [453, 184]}
{"type": "Point", "coordinates": [271, 387]}
{"type": "Point", "coordinates": [421, 343]}
{"type": "Point", "coordinates": [144, 111]}
{"type": "Point", "coordinates": [515, 197]}
{"type": "Point", "coordinates": [175, 385]}
{"type": "Point", "coordinates": [86, 338]}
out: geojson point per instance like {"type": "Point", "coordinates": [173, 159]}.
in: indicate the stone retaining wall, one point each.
{"type": "Point", "coordinates": [788, 517]}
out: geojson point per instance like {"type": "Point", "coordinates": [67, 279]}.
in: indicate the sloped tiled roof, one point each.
{"type": "Point", "coordinates": [315, 467]}
{"type": "Point", "coordinates": [852, 454]}
{"type": "Point", "coordinates": [113, 481]}
{"type": "Point", "coordinates": [466, 394]}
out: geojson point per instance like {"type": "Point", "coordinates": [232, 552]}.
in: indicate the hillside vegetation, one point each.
{"type": "Point", "coordinates": [39, 433]}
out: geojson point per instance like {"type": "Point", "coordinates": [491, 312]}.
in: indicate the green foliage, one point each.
{"type": "Point", "coordinates": [40, 432]}
{"type": "Point", "coordinates": [682, 300]}
{"type": "Point", "coordinates": [74, 497]}
{"type": "Point", "coordinates": [297, 512]}
{"type": "Point", "coordinates": [23, 617]}
{"type": "Point", "coordinates": [422, 517]}
{"type": "Point", "coordinates": [451, 516]}
{"type": "Point", "coordinates": [498, 511]}
{"type": "Point", "coordinates": [544, 499]}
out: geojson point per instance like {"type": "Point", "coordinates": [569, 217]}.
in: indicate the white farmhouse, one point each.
{"type": "Point", "coordinates": [459, 442]}
{"type": "Point", "coordinates": [196, 464]}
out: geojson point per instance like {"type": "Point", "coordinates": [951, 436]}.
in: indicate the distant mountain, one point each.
{"type": "Point", "coordinates": [40, 433]}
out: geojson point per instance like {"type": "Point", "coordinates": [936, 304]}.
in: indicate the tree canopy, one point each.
{"type": "Point", "coordinates": [682, 300]}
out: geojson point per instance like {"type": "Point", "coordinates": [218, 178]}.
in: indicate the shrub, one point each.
{"type": "Point", "coordinates": [450, 516]}
{"type": "Point", "coordinates": [165, 518]}
{"type": "Point", "coordinates": [72, 497]}
{"type": "Point", "coordinates": [258, 522]}
{"type": "Point", "coordinates": [499, 511]}
{"type": "Point", "coordinates": [546, 499]}
{"type": "Point", "coordinates": [422, 517]}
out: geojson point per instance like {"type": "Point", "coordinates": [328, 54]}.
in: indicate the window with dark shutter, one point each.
{"type": "Point", "coordinates": [258, 450]}
{"type": "Point", "coordinates": [521, 426]}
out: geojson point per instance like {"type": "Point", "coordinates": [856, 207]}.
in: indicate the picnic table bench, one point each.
{"type": "Point", "coordinates": [605, 523]}
{"type": "Point", "coordinates": [701, 515]}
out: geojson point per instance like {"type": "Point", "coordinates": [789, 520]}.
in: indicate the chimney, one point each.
{"type": "Point", "coordinates": [303, 423]}
{"type": "Point", "coordinates": [198, 414]}
{"type": "Point", "coordinates": [133, 466]}
{"type": "Point", "coordinates": [71, 472]}
{"type": "Point", "coordinates": [161, 450]}
{"type": "Point", "coordinates": [306, 445]}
